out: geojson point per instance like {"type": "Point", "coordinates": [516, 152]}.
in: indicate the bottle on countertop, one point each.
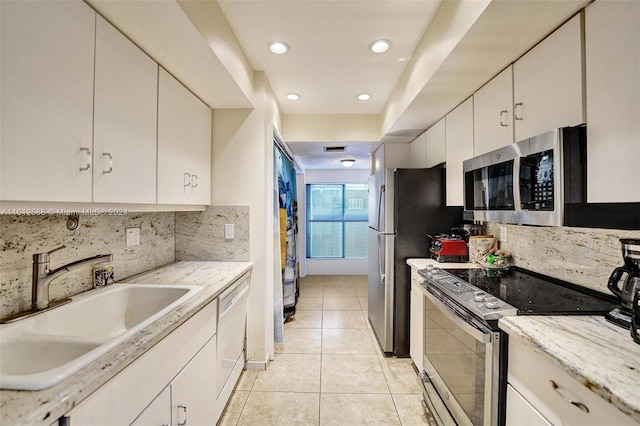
{"type": "Point", "coordinates": [103, 274]}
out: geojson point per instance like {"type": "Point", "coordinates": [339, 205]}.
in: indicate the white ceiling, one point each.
{"type": "Point", "coordinates": [329, 62]}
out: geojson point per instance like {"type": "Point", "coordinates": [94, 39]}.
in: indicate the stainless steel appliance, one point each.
{"type": "Point", "coordinates": [635, 317]}
{"type": "Point", "coordinates": [528, 182]}
{"type": "Point", "coordinates": [405, 205]}
{"type": "Point", "coordinates": [465, 353]}
{"type": "Point", "coordinates": [621, 315]}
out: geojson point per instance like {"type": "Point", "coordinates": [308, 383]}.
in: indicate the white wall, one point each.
{"type": "Point", "coordinates": [328, 266]}
{"type": "Point", "coordinates": [242, 164]}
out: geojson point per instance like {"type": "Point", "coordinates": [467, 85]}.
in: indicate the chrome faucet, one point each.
{"type": "Point", "coordinates": [42, 276]}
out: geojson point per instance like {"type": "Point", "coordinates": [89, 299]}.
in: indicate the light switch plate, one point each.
{"type": "Point", "coordinates": [229, 231]}
{"type": "Point", "coordinates": [503, 234]}
{"type": "Point", "coordinates": [132, 237]}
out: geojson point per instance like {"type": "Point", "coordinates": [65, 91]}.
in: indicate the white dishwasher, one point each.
{"type": "Point", "coordinates": [232, 318]}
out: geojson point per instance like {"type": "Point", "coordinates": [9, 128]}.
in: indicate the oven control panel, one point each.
{"type": "Point", "coordinates": [466, 295]}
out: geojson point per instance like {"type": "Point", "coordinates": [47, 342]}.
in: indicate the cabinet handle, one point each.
{"type": "Point", "coordinates": [194, 181]}
{"type": "Point", "coordinates": [580, 405]}
{"type": "Point", "coordinates": [516, 109]}
{"type": "Point", "coordinates": [88, 165]}
{"type": "Point", "coordinates": [109, 162]}
{"type": "Point", "coordinates": [184, 409]}
{"type": "Point", "coordinates": [503, 113]}
{"type": "Point", "coordinates": [186, 181]}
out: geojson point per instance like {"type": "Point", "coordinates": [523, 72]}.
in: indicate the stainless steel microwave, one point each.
{"type": "Point", "coordinates": [528, 182]}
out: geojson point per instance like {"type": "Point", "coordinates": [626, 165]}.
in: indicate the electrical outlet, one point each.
{"type": "Point", "coordinates": [503, 234]}
{"type": "Point", "coordinates": [229, 231]}
{"type": "Point", "coordinates": [132, 237]}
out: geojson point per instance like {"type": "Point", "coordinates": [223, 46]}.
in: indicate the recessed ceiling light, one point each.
{"type": "Point", "coordinates": [278, 47]}
{"type": "Point", "coordinates": [293, 96]}
{"type": "Point", "coordinates": [380, 46]}
{"type": "Point", "coordinates": [347, 162]}
{"type": "Point", "coordinates": [364, 96]}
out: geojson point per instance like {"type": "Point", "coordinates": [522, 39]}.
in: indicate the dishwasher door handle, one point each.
{"type": "Point", "coordinates": [228, 301]}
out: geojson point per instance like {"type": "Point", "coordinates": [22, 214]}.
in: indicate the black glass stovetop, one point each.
{"type": "Point", "coordinates": [535, 294]}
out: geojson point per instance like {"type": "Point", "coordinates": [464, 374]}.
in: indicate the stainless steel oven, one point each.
{"type": "Point", "coordinates": [461, 358]}
{"type": "Point", "coordinates": [464, 355]}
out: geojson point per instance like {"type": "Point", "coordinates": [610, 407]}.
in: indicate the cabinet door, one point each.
{"type": "Point", "coordinates": [548, 83]}
{"type": "Point", "coordinates": [416, 324]}
{"type": "Point", "coordinates": [126, 101]}
{"type": "Point", "coordinates": [193, 394]}
{"type": "Point", "coordinates": [520, 412]}
{"type": "Point", "coordinates": [459, 148]}
{"type": "Point", "coordinates": [47, 56]}
{"type": "Point", "coordinates": [435, 144]}
{"type": "Point", "coordinates": [493, 114]}
{"type": "Point", "coordinates": [184, 145]}
{"type": "Point", "coordinates": [418, 150]}
{"type": "Point", "coordinates": [200, 152]}
{"type": "Point", "coordinates": [158, 413]}
{"type": "Point", "coordinates": [613, 107]}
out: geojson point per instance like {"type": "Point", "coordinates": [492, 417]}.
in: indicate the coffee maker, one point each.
{"type": "Point", "coordinates": [624, 281]}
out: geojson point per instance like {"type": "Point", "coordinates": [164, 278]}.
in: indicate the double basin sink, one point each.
{"type": "Point", "coordinates": [41, 351]}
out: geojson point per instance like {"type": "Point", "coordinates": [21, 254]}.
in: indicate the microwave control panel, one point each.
{"type": "Point", "coordinates": [537, 181]}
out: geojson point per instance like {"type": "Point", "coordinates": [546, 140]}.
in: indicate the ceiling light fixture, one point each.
{"type": "Point", "coordinates": [347, 162]}
{"type": "Point", "coordinates": [293, 96]}
{"type": "Point", "coordinates": [278, 47]}
{"type": "Point", "coordinates": [364, 96]}
{"type": "Point", "coordinates": [380, 46]}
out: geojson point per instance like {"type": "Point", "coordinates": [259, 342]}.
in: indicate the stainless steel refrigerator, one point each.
{"type": "Point", "coordinates": [405, 205]}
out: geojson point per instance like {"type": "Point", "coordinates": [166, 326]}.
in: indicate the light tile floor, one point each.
{"type": "Point", "coordinates": [330, 370]}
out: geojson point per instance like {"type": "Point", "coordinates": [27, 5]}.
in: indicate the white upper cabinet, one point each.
{"type": "Point", "coordinates": [418, 159]}
{"type": "Point", "coordinates": [613, 109]}
{"type": "Point", "coordinates": [549, 84]}
{"type": "Point", "coordinates": [184, 145]}
{"type": "Point", "coordinates": [459, 123]}
{"type": "Point", "coordinates": [435, 144]}
{"type": "Point", "coordinates": [126, 87]}
{"type": "Point", "coordinates": [47, 101]}
{"type": "Point", "coordinates": [493, 114]}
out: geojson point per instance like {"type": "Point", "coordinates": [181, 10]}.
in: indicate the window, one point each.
{"type": "Point", "coordinates": [337, 220]}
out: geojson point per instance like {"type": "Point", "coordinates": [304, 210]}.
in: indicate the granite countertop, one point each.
{"type": "Point", "coordinates": [45, 406]}
{"type": "Point", "coordinates": [422, 263]}
{"type": "Point", "coordinates": [598, 354]}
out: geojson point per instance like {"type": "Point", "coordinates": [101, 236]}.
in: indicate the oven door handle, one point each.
{"type": "Point", "coordinates": [474, 330]}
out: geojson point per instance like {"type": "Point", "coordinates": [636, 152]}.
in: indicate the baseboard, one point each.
{"type": "Point", "coordinates": [256, 365]}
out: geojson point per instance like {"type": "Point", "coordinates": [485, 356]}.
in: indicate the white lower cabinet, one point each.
{"type": "Point", "coordinates": [520, 412]}
{"type": "Point", "coordinates": [193, 392]}
{"type": "Point", "coordinates": [181, 366]}
{"type": "Point", "coordinates": [158, 412]}
{"type": "Point", "coordinates": [541, 389]}
{"type": "Point", "coordinates": [416, 323]}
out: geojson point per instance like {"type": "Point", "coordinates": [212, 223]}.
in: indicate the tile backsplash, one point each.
{"type": "Point", "coordinates": [23, 236]}
{"type": "Point", "coordinates": [200, 235]}
{"type": "Point", "coordinates": [583, 256]}
{"type": "Point", "coordinates": [165, 237]}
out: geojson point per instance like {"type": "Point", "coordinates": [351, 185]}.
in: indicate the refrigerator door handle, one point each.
{"type": "Point", "coordinates": [381, 271]}
{"type": "Point", "coordinates": [382, 189]}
